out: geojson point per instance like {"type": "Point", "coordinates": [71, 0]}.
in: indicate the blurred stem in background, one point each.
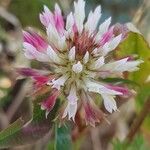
{"type": "Point", "coordinates": [135, 127]}
{"type": "Point", "coordinates": [142, 18]}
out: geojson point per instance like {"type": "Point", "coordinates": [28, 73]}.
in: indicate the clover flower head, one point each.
{"type": "Point", "coordinates": [77, 49]}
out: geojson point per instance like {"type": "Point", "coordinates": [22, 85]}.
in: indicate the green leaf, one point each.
{"type": "Point", "coordinates": [63, 137]}
{"type": "Point", "coordinates": [142, 95]}
{"type": "Point", "coordinates": [135, 44]}
{"type": "Point", "coordinates": [9, 133]}
{"type": "Point", "coordinates": [20, 133]}
{"type": "Point", "coordinates": [120, 81]}
{"type": "Point", "coordinates": [24, 133]}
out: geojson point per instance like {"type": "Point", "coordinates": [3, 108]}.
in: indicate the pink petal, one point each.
{"type": "Point", "coordinates": [75, 28]}
{"type": "Point", "coordinates": [47, 17]}
{"type": "Point", "coordinates": [121, 29]}
{"type": "Point", "coordinates": [38, 77]}
{"type": "Point", "coordinates": [107, 36]}
{"type": "Point", "coordinates": [28, 72]}
{"type": "Point", "coordinates": [92, 113]}
{"type": "Point", "coordinates": [59, 22]}
{"type": "Point", "coordinates": [41, 80]}
{"type": "Point", "coordinates": [35, 40]}
{"type": "Point", "coordinates": [120, 89]}
{"type": "Point", "coordinates": [130, 58]}
{"type": "Point", "coordinates": [49, 103]}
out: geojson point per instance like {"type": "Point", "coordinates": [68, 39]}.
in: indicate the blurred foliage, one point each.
{"type": "Point", "coordinates": [28, 11]}
{"type": "Point", "coordinates": [137, 144]}
{"type": "Point", "coordinates": [7, 136]}
{"type": "Point", "coordinates": [135, 44]}
{"type": "Point", "coordinates": [20, 132]}
{"type": "Point", "coordinates": [121, 10]}
{"type": "Point", "coordinates": [63, 137]}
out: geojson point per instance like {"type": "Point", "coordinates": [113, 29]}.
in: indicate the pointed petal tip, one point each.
{"type": "Point", "coordinates": [71, 54]}
{"type": "Point", "coordinates": [42, 107]}
{"type": "Point", "coordinates": [117, 110]}
{"type": "Point", "coordinates": [86, 57]}
{"type": "Point", "coordinates": [46, 114]}
{"type": "Point", "coordinates": [45, 8]}
{"type": "Point", "coordinates": [57, 7]}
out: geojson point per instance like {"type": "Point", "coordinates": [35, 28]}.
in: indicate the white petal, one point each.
{"type": "Point", "coordinates": [62, 45]}
{"type": "Point", "coordinates": [57, 8]}
{"type": "Point", "coordinates": [32, 53]}
{"type": "Point", "coordinates": [131, 65]}
{"type": "Point", "coordinates": [53, 56]}
{"type": "Point", "coordinates": [56, 39]}
{"type": "Point", "coordinates": [46, 17]}
{"type": "Point", "coordinates": [79, 14]}
{"type": "Point", "coordinates": [109, 103]}
{"type": "Point", "coordinates": [53, 35]}
{"type": "Point", "coordinates": [86, 57]}
{"type": "Point", "coordinates": [77, 68]}
{"type": "Point", "coordinates": [98, 63]}
{"type": "Point", "coordinates": [98, 88]}
{"type": "Point", "coordinates": [69, 33]}
{"type": "Point", "coordinates": [46, 9]}
{"type": "Point", "coordinates": [59, 82]}
{"type": "Point", "coordinates": [114, 66]}
{"type": "Point", "coordinates": [121, 66]}
{"type": "Point", "coordinates": [69, 21]}
{"type": "Point", "coordinates": [93, 20]}
{"type": "Point", "coordinates": [95, 51]}
{"type": "Point", "coordinates": [71, 110]}
{"type": "Point", "coordinates": [104, 26]}
{"type": "Point", "coordinates": [71, 54]}
{"type": "Point", "coordinates": [111, 45]}
{"type": "Point", "coordinates": [72, 97]}
{"type": "Point", "coordinates": [132, 27]}
{"type": "Point", "coordinates": [28, 55]}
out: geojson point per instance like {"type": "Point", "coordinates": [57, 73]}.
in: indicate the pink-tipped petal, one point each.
{"type": "Point", "coordinates": [49, 103]}
{"type": "Point", "coordinates": [59, 21]}
{"type": "Point", "coordinates": [28, 72]}
{"type": "Point", "coordinates": [121, 29]}
{"type": "Point", "coordinates": [92, 113]}
{"type": "Point", "coordinates": [120, 89]}
{"type": "Point", "coordinates": [35, 40]}
{"type": "Point", "coordinates": [47, 17]}
{"type": "Point", "coordinates": [39, 78]}
{"type": "Point", "coordinates": [32, 53]}
{"type": "Point", "coordinates": [107, 36]}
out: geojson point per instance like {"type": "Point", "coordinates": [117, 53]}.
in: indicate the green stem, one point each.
{"type": "Point", "coordinates": [55, 128]}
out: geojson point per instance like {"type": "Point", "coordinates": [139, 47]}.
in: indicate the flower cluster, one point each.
{"type": "Point", "coordinates": [77, 51]}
